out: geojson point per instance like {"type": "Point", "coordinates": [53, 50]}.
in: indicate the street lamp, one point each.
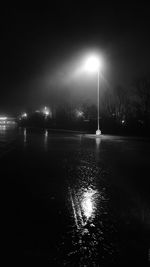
{"type": "Point", "coordinates": [92, 64]}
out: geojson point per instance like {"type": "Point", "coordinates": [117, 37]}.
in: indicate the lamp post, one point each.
{"type": "Point", "coordinates": [93, 65]}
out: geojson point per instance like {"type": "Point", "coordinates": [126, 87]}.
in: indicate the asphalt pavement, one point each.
{"type": "Point", "coordinates": [74, 199]}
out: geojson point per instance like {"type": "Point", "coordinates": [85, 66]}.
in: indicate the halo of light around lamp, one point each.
{"type": "Point", "coordinates": [92, 63]}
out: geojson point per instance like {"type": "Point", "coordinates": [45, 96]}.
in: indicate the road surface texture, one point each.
{"type": "Point", "coordinates": [74, 199]}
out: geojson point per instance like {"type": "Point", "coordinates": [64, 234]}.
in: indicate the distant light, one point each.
{"type": "Point", "coordinates": [3, 118]}
{"type": "Point", "coordinates": [24, 115]}
{"type": "Point", "coordinates": [79, 113]}
{"type": "Point", "coordinates": [47, 112]}
{"type": "Point", "coordinates": [123, 121]}
{"type": "Point", "coordinates": [92, 63]}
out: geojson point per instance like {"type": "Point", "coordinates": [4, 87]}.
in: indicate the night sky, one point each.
{"type": "Point", "coordinates": [41, 48]}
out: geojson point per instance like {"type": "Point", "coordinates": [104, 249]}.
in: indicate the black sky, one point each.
{"type": "Point", "coordinates": [39, 44]}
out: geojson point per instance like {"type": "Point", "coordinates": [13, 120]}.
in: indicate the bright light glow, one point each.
{"type": "Point", "coordinates": [87, 204]}
{"type": "Point", "coordinates": [84, 205]}
{"type": "Point", "coordinates": [24, 115]}
{"type": "Point", "coordinates": [98, 132]}
{"type": "Point", "coordinates": [92, 64]}
{"type": "Point", "coordinates": [46, 111]}
{"type": "Point", "coordinates": [3, 118]}
{"type": "Point", "coordinates": [79, 113]}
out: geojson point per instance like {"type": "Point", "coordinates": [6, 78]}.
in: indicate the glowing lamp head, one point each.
{"type": "Point", "coordinates": [92, 64]}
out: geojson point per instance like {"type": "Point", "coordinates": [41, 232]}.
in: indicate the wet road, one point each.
{"type": "Point", "coordinates": [75, 200]}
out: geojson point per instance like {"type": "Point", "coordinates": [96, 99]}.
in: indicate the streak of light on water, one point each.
{"type": "Point", "coordinates": [89, 210]}
{"type": "Point", "coordinates": [46, 140]}
{"type": "Point", "coordinates": [25, 135]}
{"type": "Point", "coordinates": [7, 139]}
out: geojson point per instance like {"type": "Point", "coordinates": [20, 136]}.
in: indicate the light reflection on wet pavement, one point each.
{"type": "Point", "coordinates": [89, 201]}
{"type": "Point", "coordinates": [93, 235]}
